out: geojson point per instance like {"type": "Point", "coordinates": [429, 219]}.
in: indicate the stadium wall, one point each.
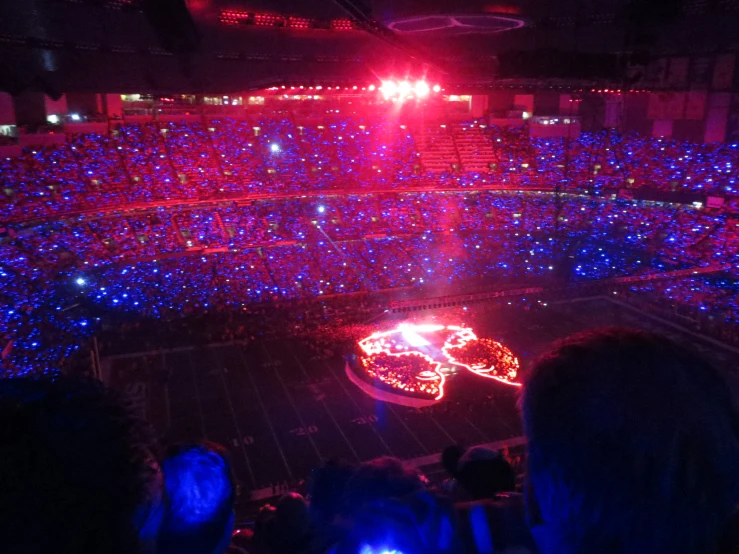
{"type": "Point", "coordinates": [7, 112]}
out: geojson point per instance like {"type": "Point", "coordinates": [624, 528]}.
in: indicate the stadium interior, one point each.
{"type": "Point", "coordinates": [369, 276]}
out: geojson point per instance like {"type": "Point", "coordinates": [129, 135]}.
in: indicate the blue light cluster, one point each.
{"type": "Point", "coordinates": [302, 246]}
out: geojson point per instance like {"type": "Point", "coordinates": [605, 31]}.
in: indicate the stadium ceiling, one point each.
{"type": "Point", "coordinates": [170, 46]}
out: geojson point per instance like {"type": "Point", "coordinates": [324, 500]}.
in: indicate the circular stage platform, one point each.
{"type": "Point", "coordinates": [412, 365]}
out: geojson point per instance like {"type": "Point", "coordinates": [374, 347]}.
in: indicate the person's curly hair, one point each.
{"type": "Point", "coordinates": [76, 467]}
{"type": "Point", "coordinates": [633, 446]}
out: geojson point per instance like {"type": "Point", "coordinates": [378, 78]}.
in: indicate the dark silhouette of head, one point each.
{"type": "Point", "coordinates": [633, 446]}
{"type": "Point", "coordinates": [200, 496]}
{"type": "Point", "coordinates": [729, 543]}
{"type": "Point", "coordinates": [450, 458]}
{"type": "Point", "coordinates": [326, 489]}
{"type": "Point", "coordinates": [483, 473]}
{"type": "Point", "coordinates": [291, 513]}
{"type": "Point", "coordinates": [380, 479]}
{"type": "Point", "coordinates": [288, 528]}
{"type": "Point", "coordinates": [78, 470]}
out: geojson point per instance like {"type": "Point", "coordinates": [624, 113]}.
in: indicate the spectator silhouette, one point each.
{"type": "Point", "coordinates": [200, 495]}
{"type": "Point", "coordinates": [483, 473]}
{"type": "Point", "coordinates": [78, 473]}
{"type": "Point", "coordinates": [450, 459]}
{"type": "Point", "coordinates": [326, 487]}
{"type": "Point", "coordinates": [633, 446]}
{"type": "Point", "coordinates": [380, 479]}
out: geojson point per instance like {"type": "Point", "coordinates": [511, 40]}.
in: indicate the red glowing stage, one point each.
{"type": "Point", "coordinates": [412, 364]}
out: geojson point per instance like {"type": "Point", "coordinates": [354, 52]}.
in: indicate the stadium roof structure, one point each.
{"type": "Point", "coordinates": [166, 46]}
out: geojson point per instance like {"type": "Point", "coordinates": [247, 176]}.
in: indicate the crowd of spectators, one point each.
{"type": "Point", "coordinates": [166, 261]}
{"type": "Point", "coordinates": [227, 158]}
{"type": "Point", "coordinates": [708, 304]}
{"type": "Point", "coordinates": [41, 327]}
{"type": "Point", "coordinates": [85, 474]}
{"type": "Point", "coordinates": [180, 217]}
{"type": "Point", "coordinates": [208, 226]}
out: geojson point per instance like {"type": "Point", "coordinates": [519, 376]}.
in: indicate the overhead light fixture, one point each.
{"type": "Point", "coordinates": [388, 89]}
{"type": "Point", "coordinates": [421, 89]}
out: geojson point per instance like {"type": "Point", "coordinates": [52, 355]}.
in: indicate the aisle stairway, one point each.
{"type": "Point", "coordinates": [437, 150]}
{"type": "Point", "coordinates": [475, 148]}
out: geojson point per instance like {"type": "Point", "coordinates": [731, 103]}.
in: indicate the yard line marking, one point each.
{"type": "Point", "coordinates": [453, 441]}
{"type": "Point", "coordinates": [264, 411]}
{"type": "Point", "coordinates": [290, 399]}
{"type": "Point", "coordinates": [476, 428]}
{"type": "Point", "coordinates": [331, 415]}
{"type": "Point", "coordinates": [233, 416]}
{"type": "Point", "coordinates": [361, 411]}
{"type": "Point", "coordinates": [390, 406]}
{"type": "Point", "coordinates": [496, 413]}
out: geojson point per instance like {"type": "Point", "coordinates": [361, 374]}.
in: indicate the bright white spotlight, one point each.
{"type": "Point", "coordinates": [53, 119]}
{"type": "Point", "coordinates": [80, 281]}
{"type": "Point", "coordinates": [421, 89]}
{"type": "Point", "coordinates": [404, 88]}
{"type": "Point", "coordinates": [371, 88]}
{"type": "Point", "coordinates": [388, 89]}
{"type": "Point", "coordinates": [275, 147]}
{"type": "Point", "coordinates": [321, 209]}
{"type": "Point", "coordinates": [437, 88]}
{"type": "Point", "coordinates": [414, 339]}
{"type": "Point", "coordinates": [75, 116]}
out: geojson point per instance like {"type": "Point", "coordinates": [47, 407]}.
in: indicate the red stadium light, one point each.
{"type": "Point", "coordinates": [399, 91]}
{"type": "Point", "coordinates": [240, 17]}
{"type": "Point", "coordinates": [298, 23]}
{"type": "Point", "coordinates": [388, 89]}
{"type": "Point", "coordinates": [421, 89]}
{"type": "Point", "coordinates": [342, 25]}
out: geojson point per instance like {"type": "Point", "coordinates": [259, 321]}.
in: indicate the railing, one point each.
{"type": "Point", "coordinates": [467, 299]}
{"type": "Point", "coordinates": [237, 198]}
